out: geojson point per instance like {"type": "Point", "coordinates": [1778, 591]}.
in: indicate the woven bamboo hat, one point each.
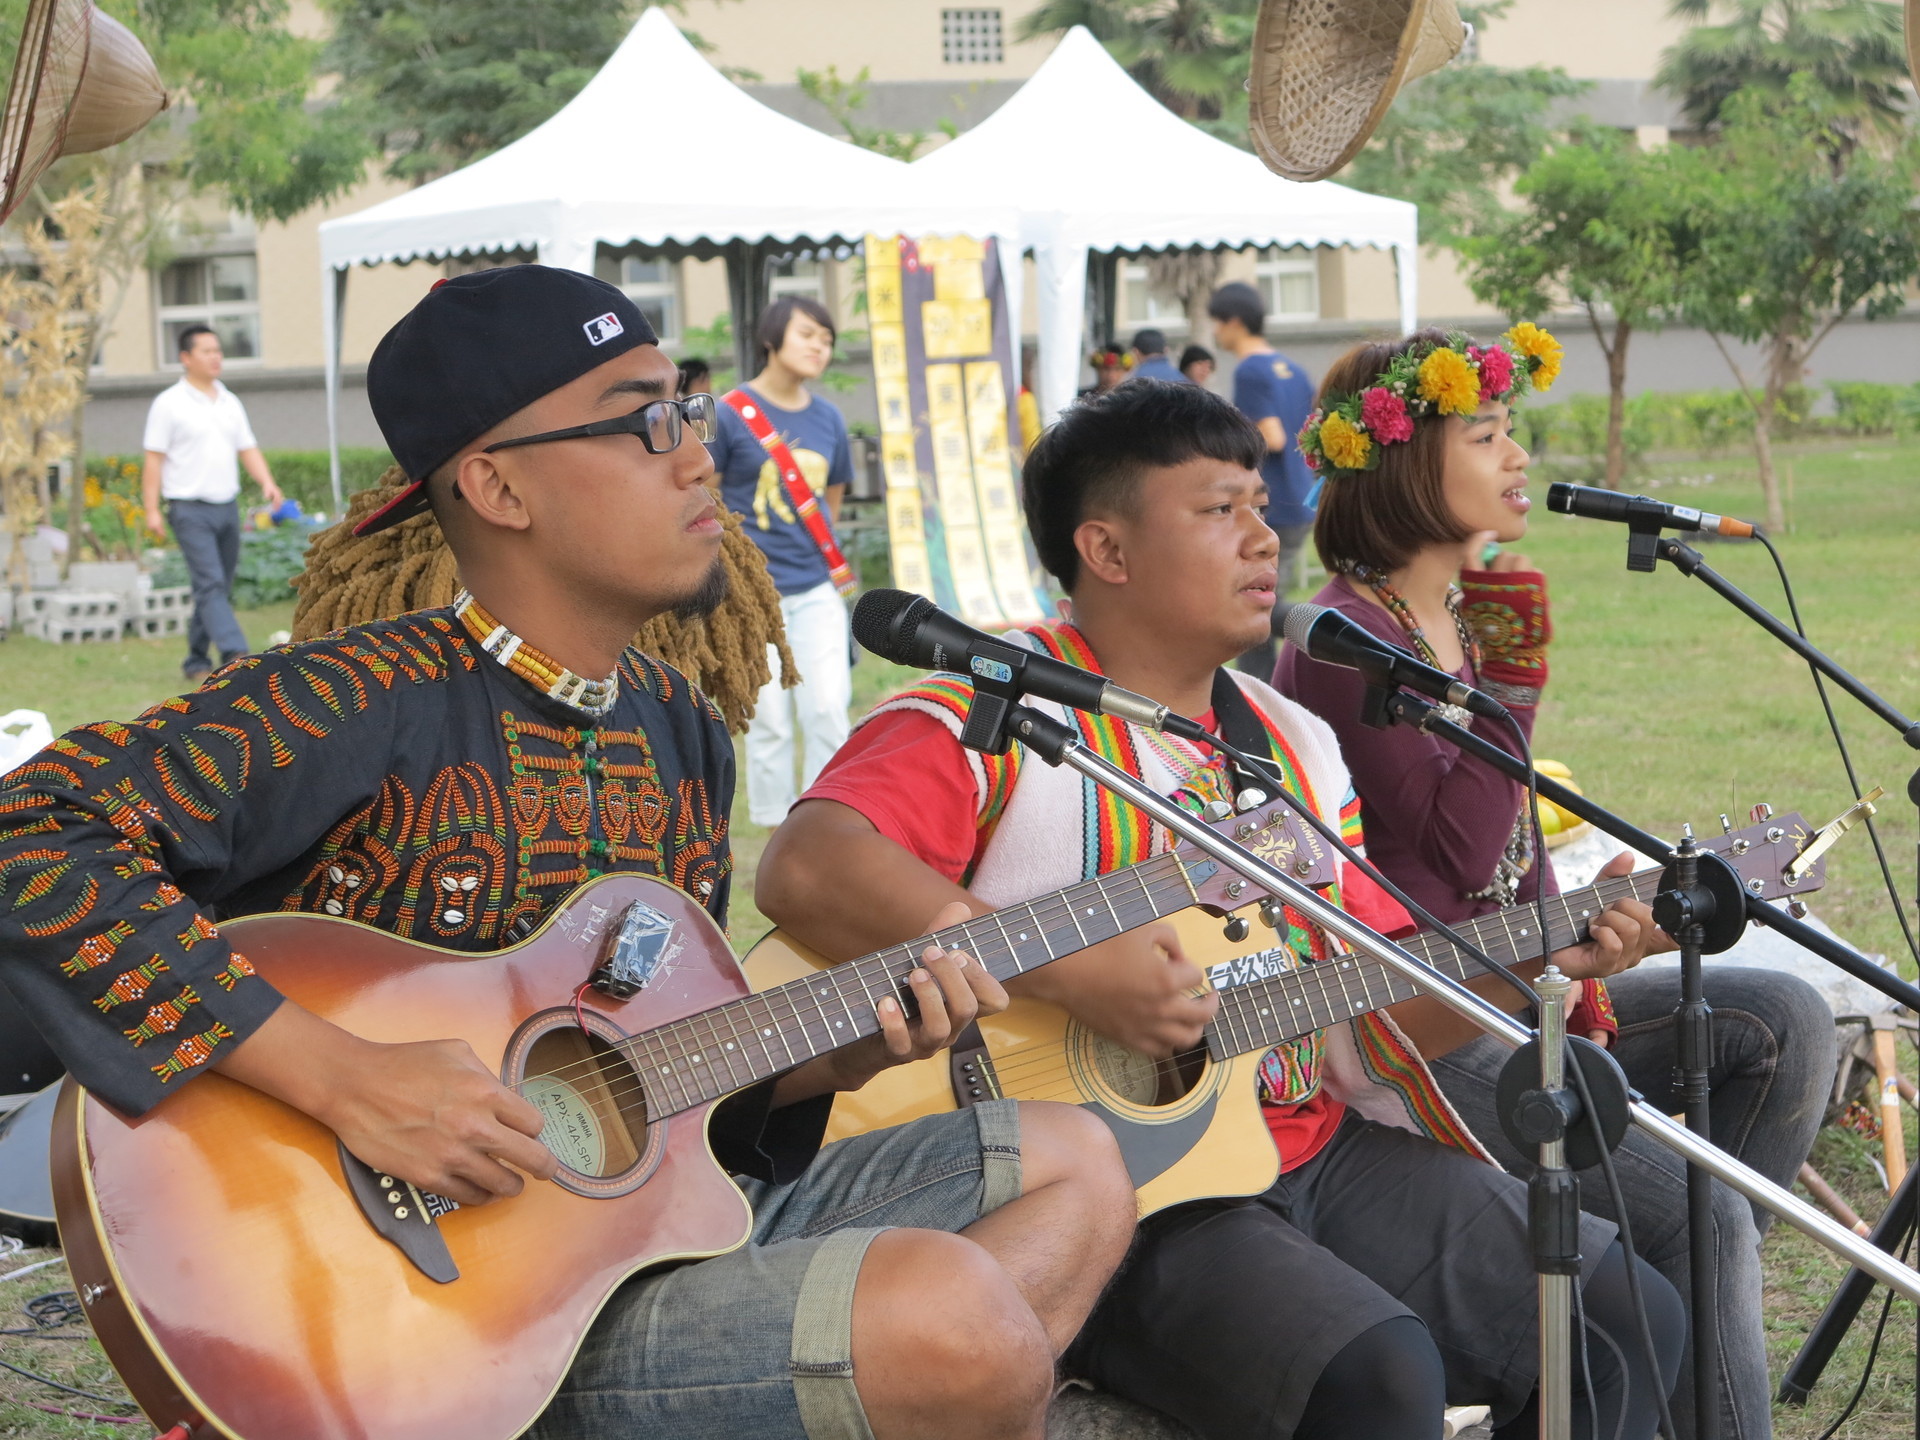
{"type": "Point", "coordinates": [1325, 71]}
{"type": "Point", "coordinates": [80, 82]}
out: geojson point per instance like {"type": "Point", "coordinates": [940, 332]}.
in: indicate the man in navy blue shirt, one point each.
{"type": "Point", "coordinates": [1150, 358]}
{"type": "Point", "coordinates": [1276, 394]}
{"type": "Point", "coordinates": [796, 338]}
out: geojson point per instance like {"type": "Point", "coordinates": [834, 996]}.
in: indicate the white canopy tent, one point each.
{"type": "Point", "coordinates": [611, 168]}
{"type": "Point", "coordinates": [1095, 163]}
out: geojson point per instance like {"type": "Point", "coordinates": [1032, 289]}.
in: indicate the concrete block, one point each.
{"type": "Point", "coordinates": [68, 616]}
{"type": "Point", "coordinates": [76, 632]}
{"type": "Point", "coordinates": [115, 577]}
{"type": "Point", "coordinates": [172, 600]}
{"type": "Point", "coordinates": [148, 627]}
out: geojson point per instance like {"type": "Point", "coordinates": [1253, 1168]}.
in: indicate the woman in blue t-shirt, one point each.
{"type": "Point", "coordinates": [796, 337]}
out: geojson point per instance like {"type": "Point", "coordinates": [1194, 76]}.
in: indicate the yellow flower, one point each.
{"type": "Point", "coordinates": [1449, 380]}
{"type": "Point", "coordinates": [1536, 344]}
{"type": "Point", "coordinates": [95, 493]}
{"type": "Point", "coordinates": [1345, 446]}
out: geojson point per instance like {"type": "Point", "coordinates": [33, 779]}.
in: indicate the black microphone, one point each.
{"type": "Point", "coordinates": [1330, 636]}
{"type": "Point", "coordinates": [910, 629]}
{"type": "Point", "coordinates": [1596, 504]}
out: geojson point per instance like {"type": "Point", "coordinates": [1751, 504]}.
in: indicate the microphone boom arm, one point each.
{"type": "Point", "coordinates": [1057, 745]}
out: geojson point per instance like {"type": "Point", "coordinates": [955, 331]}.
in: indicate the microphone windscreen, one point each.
{"type": "Point", "coordinates": [1296, 620]}
{"type": "Point", "coordinates": [877, 623]}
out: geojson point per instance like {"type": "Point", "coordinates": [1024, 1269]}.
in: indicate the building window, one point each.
{"type": "Point", "coordinates": [654, 286]}
{"type": "Point", "coordinates": [1143, 307]}
{"type": "Point", "coordinates": [798, 277]}
{"type": "Point", "coordinates": [1289, 282]}
{"type": "Point", "coordinates": [971, 37]}
{"type": "Point", "coordinates": [218, 290]}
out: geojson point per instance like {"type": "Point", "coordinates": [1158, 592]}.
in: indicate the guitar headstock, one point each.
{"type": "Point", "coordinates": [1761, 854]}
{"type": "Point", "coordinates": [1274, 833]}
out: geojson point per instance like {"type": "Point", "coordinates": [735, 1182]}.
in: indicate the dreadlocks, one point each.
{"type": "Point", "coordinates": [350, 580]}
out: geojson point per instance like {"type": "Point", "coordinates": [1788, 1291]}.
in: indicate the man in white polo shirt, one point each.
{"type": "Point", "coordinates": [197, 438]}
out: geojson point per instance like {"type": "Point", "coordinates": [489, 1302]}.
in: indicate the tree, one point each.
{"type": "Point", "coordinates": [1454, 139]}
{"type": "Point", "coordinates": [439, 83]}
{"type": "Point", "coordinates": [843, 100]}
{"type": "Point", "coordinates": [1791, 236]}
{"type": "Point", "coordinates": [1597, 226]}
{"type": "Point", "coordinates": [238, 80]}
{"type": "Point", "coordinates": [1850, 48]}
{"type": "Point", "coordinates": [1190, 55]}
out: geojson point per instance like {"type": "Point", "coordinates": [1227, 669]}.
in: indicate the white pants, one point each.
{"type": "Point", "coordinates": [817, 635]}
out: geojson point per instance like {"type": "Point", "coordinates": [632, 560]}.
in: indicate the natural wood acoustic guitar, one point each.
{"type": "Point", "coordinates": [250, 1279]}
{"type": "Point", "coordinates": [1190, 1127]}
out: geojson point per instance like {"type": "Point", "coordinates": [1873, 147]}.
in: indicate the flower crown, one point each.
{"type": "Point", "coordinates": [1347, 433]}
{"type": "Point", "coordinates": [1111, 358]}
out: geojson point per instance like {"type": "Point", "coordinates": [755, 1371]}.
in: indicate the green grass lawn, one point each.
{"type": "Point", "coordinates": [1669, 706]}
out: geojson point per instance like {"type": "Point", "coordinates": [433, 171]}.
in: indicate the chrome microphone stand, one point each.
{"type": "Point", "coordinates": [1057, 745]}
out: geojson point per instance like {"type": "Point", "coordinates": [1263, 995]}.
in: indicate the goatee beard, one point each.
{"type": "Point", "coordinates": [709, 597]}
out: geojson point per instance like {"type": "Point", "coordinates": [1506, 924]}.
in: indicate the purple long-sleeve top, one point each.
{"type": "Point", "coordinates": [1436, 821]}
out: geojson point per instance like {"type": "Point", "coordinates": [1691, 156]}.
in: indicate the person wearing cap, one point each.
{"type": "Point", "coordinates": [1150, 360]}
{"type": "Point", "coordinates": [451, 776]}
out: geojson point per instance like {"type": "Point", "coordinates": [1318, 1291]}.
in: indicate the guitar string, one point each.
{"type": "Point", "coordinates": [1041, 1055]}
{"type": "Point", "coordinates": [1233, 1015]}
{"type": "Point", "coordinates": [878, 966]}
{"type": "Point", "coordinates": [690, 1059]}
{"type": "Point", "coordinates": [1045, 912]}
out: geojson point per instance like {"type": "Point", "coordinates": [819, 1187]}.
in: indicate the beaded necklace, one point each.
{"type": "Point", "coordinates": [1516, 857]}
{"type": "Point", "coordinates": [538, 669]}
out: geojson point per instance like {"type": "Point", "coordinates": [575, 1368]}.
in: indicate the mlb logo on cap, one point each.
{"type": "Point", "coordinates": [603, 328]}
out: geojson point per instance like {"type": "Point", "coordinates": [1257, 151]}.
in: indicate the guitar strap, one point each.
{"type": "Point", "coordinates": [1239, 726]}
{"type": "Point", "coordinates": [800, 494]}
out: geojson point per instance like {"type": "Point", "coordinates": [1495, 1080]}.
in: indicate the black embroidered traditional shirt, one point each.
{"type": "Point", "coordinates": [390, 773]}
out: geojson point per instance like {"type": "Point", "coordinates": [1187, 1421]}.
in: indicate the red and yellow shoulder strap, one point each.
{"type": "Point", "coordinates": [800, 494]}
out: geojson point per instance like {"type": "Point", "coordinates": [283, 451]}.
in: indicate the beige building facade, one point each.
{"type": "Point", "coordinates": [927, 64]}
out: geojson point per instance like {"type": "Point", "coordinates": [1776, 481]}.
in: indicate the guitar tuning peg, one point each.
{"type": "Point", "coordinates": [1797, 909]}
{"type": "Point", "coordinates": [1249, 799]}
{"type": "Point", "coordinates": [1271, 913]}
{"type": "Point", "coordinates": [1726, 826]}
{"type": "Point", "coordinates": [1762, 811]}
{"type": "Point", "coordinates": [1236, 928]}
{"type": "Point", "coordinates": [1218, 809]}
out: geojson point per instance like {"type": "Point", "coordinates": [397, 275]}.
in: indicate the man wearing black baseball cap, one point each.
{"type": "Point", "coordinates": [451, 776]}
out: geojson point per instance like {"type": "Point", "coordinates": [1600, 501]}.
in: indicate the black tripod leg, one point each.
{"type": "Point", "coordinates": [1889, 1234]}
{"type": "Point", "coordinates": [1704, 1284]}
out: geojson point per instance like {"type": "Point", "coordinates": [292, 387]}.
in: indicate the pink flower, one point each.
{"type": "Point", "coordinates": [1385, 416]}
{"type": "Point", "coordinates": [1496, 371]}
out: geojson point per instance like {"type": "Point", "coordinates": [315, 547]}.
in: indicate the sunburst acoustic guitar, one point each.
{"type": "Point", "coordinates": [1190, 1127]}
{"type": "Point", "coordinates": [249, 1279]}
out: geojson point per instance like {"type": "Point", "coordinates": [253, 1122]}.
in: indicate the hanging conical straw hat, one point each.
{"type": "Point", "coordinates": [1325, 71]}
{"type": "Point", "coordinates": [81, 82]}
{"type": "Point", "coordinates": [1913, 39]}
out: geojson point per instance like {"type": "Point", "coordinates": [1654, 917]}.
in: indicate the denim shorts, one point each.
{"type": "Point", "coordinates": [759, 1341]}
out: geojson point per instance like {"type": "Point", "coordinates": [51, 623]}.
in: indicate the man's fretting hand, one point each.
{"type": "Point", "coordinates": [427, 1111]}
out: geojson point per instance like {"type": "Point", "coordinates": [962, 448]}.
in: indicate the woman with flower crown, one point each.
{"type": "Point", "coordinates": [1420, 477]}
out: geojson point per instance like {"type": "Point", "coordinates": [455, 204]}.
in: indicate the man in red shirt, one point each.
{"type": "Point", "coordinates": [1387, 1270]}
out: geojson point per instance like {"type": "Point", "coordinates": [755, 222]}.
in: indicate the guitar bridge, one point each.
{"type": "Point", "coordinates": [405, 1215]}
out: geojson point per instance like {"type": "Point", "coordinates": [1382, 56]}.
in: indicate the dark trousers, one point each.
{"type": "Point", "coordinates": [208, 533]}
{"type": "Point", "coordinates": [1773, 1058]}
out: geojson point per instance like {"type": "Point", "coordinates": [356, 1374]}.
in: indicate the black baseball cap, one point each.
{"type": "Point", "coordinates": [478, 348]}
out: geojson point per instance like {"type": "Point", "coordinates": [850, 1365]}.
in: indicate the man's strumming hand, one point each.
{"type": "Point", "coordinates": [427, 1111]}
{"type": "Point", "coordinates": [1135, 989]}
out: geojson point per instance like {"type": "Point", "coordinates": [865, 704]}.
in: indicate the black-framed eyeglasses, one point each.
{"type": "Point", "coordinates": [657, 423]}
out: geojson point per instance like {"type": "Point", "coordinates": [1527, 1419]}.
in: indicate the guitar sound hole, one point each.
{"type": "Point", "coordinates": [1143, 1080]}
{"type": "Point", "coordinates": [595, 1108]}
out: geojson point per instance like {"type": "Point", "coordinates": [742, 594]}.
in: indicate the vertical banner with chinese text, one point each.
{"type": "Point", "coordinates": [942, 355]}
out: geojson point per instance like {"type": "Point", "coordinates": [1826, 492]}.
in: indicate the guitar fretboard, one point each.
{"type": "Point", "coordinates": [1264, 1013]}
{"type": "Point", "coordinates": [716, 1052]}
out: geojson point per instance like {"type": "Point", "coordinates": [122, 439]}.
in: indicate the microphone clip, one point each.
{"type": "Point", "coordinates": [998, 672]}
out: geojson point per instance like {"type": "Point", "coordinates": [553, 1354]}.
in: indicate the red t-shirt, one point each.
{"type": "Point", "coordinates": [907, 775]}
